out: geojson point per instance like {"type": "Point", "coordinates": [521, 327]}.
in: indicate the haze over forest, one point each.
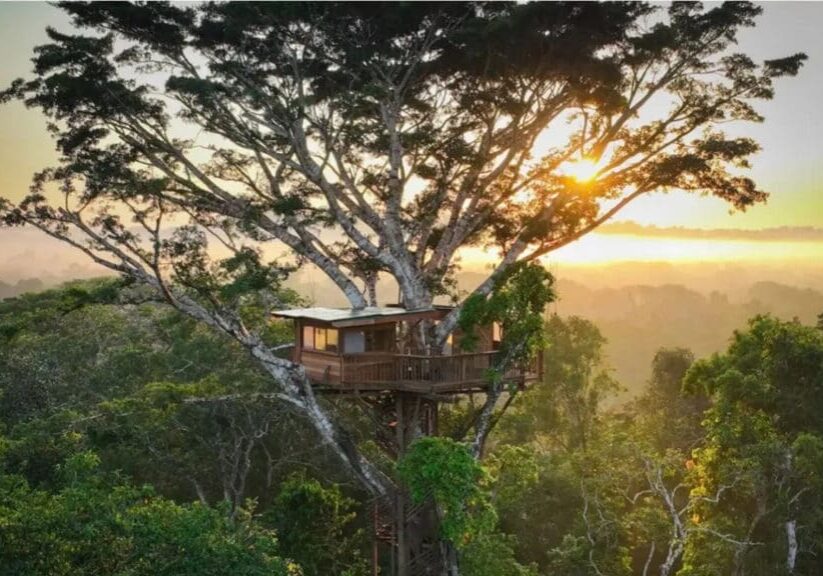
{"type": "Point", "coordinates": [621, 201]}
{"type": "Point", "coordinates": [639, 306]}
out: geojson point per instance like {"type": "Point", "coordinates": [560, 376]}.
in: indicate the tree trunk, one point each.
{"type": "Point", "coordinates": [419, 549]}
{"type": "Point", "coordinates": [791, 553]}
{"type": "Point", "coordinates": [791, 524]}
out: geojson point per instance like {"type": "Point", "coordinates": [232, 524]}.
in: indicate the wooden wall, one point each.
{"type": "Point", "coordinates": [326, 367]}
{"type": "Point", "coordinates": [322, 366]}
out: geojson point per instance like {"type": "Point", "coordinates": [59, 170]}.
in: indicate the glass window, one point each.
{"type": "Point", "coordinates": [332, 340]}
{"type": "Point", "coordinates": [320, 338]}
{"type": "Point", "coordinates": [354, 342]}
{"type": "Point", "coordinates": [326, 339]}
{"type": "Point", "coordinates": [308, 337]}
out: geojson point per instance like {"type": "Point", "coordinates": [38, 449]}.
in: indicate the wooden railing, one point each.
{"type": "Point", "coordinates": [379, 368]}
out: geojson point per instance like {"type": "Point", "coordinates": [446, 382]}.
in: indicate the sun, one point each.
{"type": "Point", "coordinates": [583, 170]}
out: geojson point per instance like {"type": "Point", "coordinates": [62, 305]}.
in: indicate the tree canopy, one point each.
{"type": "Point", "coordinates": [381, 137]}
{"type": "Point", "coordinates": [134, 440]}
{"type": "Point", "coordinates": [207, 150]}
{"type": "Point", "coordinates": [97, 525]}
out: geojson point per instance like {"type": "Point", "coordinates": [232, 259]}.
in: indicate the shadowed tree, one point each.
{"type": "Point", "coordinates": [126, 529]}
{"type": "Point", "coordinates": [317, 528]}
{"type": "Point", "coordinates": [207, 150]}
{"type": "Point", "coordinates": [671, 418]}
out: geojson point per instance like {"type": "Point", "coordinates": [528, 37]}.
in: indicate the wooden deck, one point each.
{"type": "Point", "coordinates": [433, 374]}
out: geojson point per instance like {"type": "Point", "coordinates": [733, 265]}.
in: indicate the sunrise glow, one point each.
{"type": "Point", "coordinates": [366, 268]}
{"type": "Point", "coordinates": [786, 167]}
{"type": "Point", "coordinates": [598, 249]}
{"type": "Point", "coordinates": [603, 249]}
{"type": "Point", "coordinates": [583, 170]}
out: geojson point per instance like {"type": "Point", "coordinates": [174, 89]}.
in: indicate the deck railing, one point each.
{"type": "Point", "coordinates": [384, 368]}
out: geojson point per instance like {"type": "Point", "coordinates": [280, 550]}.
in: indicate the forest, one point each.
{"type": "Point", "coordinates": [126, 449]}
{"type": "Point", "coordinates": [195, 411]}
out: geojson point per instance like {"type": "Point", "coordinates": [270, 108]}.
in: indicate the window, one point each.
{"type": "Point", "coordinates": [372, 340]}
{"type": "Point", "coordinates": [332, 340]}
{"type": "Point", "coordinates": [324, 339]}
{"type": "Point", "coordinates": [308, 337]}
{"type": "Point", "coordinates": [355, 342]}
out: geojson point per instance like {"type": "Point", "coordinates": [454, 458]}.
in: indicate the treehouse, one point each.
{"type": "Point", "coordinates": [370, 349]}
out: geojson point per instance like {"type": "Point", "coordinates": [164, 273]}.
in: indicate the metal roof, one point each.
{"type": "Point", "coordinates": [351, 316]}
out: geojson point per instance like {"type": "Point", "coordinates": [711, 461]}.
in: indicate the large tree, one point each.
{"type": "Point", "coordinates": [206, 150]}
{"type": "Point", "coordinates": [764, 444]}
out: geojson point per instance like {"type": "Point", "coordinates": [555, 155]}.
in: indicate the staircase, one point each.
{"type": "Point", "coordinates": [420, 538]}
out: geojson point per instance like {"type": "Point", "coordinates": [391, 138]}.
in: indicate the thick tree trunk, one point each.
{"type": "Point", "coordinates": [420, 549]}
{"type": "Point", "coordinates": [299, 392]}
{"type": "Point", "coordinates": [371, 289]}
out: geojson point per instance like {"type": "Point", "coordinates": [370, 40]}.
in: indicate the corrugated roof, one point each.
{"type": "Point", "coordinates": [334, 315]}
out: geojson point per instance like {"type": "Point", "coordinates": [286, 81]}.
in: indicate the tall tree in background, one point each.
{"type": "Point", "coordinates": [564, 407]}
{"type": "Point", "coordinates": [764, 448]}
{"type": "Point", "coordinates": [198, 141]}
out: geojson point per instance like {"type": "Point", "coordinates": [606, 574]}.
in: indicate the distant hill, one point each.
{"type": "Point", "coordinates": [788, 301]}
{"type": "Point", "coordinates": [20, 287]}
{"type": "Point", "coordinates": [637, 320]}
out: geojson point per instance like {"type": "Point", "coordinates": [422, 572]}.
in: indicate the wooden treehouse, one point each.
{"type": "Point", "coordinates": [370, 354]}
{"type": "Point", "coordinates": [368, 350]}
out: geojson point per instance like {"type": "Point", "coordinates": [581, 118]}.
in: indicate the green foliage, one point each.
{"type": "Point", "coordinates": [468, 495]}
{"type": "Point", "coordinates": [95, 526]}
{"type": "Point", "coordinates": [539, 511]}
{"type": "Point", "coordinates": [492, 555]}
{"type": "Point", "coordinates": [446, 471]}
{"type": "Point", "coordinates": [317, 528]}
{"type": "Point", "coordinates": [772, 366]}
{"type": "Point", "coordinates": [563, 407]}
{"type": "Point", "coordinates": [318, 116]}
{"type": "Point", "coordinates": [24, 311]}
{"type": "Point", "coordinates": [140, 387]}
{"type": "Point", "coordinates": [476, 56]}
{"type": "Point", "coordinates": [516, 304]}
{"type": "Point", "coordinates": [512, 471]}
{"type": "Point", "coordinates": [146, 390]}
{"type": "Point", "coordinates": [568, 488]}
{"type": "Point", "coordinates": [124, 346]}
{"type": "Point", "coordinates": [35, 448]}
{"type": "Point", "coordinates": [671, 418]}
{"type": "Point", "coordinates": [763, 436]}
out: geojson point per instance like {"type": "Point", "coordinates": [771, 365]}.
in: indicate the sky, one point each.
{"type": "Point", "coordinates": [670, 228]}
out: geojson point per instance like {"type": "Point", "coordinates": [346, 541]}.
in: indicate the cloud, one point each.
{"type": "Point", "coordinates": [778, 234]}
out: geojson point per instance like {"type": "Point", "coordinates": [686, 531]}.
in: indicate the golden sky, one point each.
{"type": "Point", "coordinates": [790, 165]}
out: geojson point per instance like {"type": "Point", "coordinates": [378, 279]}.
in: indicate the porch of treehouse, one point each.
{"type": "Point", "coordinates": [367, 351]}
